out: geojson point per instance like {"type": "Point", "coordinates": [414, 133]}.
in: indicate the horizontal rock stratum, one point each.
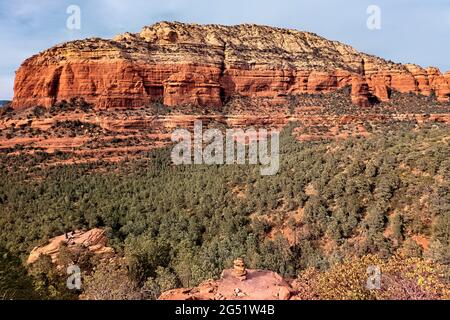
{"type": "Point", "coordinates": [204, 65]}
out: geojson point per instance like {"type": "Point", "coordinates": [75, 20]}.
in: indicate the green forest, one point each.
{"type": "Point", "coordinates": [176, 226]}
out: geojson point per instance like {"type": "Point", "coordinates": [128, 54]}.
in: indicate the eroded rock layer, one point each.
{"type": "Point", "coordinates": [204, 65]}
{"type": "Point", "coordinates": [93, 240]}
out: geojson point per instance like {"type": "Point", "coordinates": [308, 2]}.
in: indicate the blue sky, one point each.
{"type": "Point", "coordinates": [415, 31]}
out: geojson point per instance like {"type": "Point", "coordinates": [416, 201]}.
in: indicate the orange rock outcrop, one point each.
{"type": "Point", "coordinates": [93, 240]}
{"type": "Point", "coordinates": [259, 285]}
{"type": "Point", "coordinates": [206, 64]}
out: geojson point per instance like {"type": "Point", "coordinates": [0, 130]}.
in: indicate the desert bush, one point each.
{"type": "Point", "coordinates": [401, 279]}
{"type": "Point", "coordinates": [111, 281]}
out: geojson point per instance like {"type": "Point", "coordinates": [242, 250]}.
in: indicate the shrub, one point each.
{"type": "Point", "coordinates": [111, 281]}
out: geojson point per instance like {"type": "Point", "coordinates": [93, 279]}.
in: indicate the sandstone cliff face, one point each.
{"type": "Point", "coordinates": [205, 64]}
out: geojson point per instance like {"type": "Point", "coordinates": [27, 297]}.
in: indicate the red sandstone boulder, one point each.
{"type": "Point", "coordinates": [259, 285]}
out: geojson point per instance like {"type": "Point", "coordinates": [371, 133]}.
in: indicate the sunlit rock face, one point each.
{"type": "Point", "coordinates": [204, 65]}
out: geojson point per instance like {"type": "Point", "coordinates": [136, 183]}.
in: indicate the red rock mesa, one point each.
{"type": "Point", "coordinates": [206, 64]}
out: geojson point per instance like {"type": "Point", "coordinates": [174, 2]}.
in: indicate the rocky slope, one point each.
{"type": "Point", "coordinates": [71, 133]}
{"type": "Point", "coordinates": [205, 65]}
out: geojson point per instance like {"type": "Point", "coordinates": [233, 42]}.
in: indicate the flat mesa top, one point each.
{"type": "Point", "coordinates": [253, 44]}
